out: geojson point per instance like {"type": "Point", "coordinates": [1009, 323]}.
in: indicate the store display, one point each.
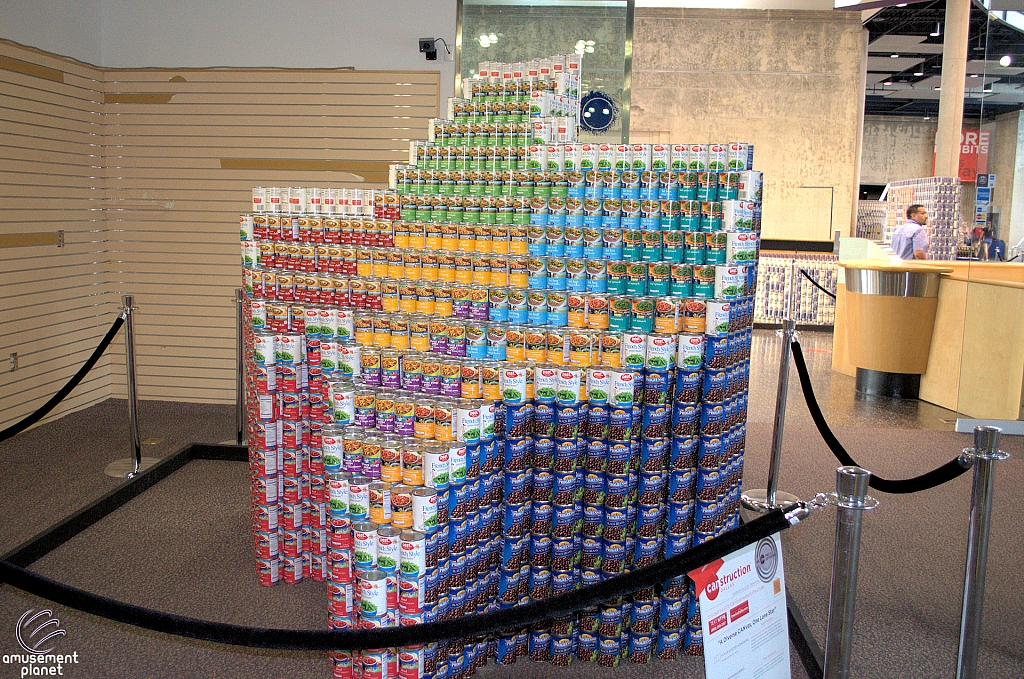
{"type": "Point", "coordinates": [871, 218]}
{"type": "Point", "coordinates": [779, 279]}
{"type": "Point", "coordinates": [517, 373]}
{"type": "Point", "coordinates": [940, 196]}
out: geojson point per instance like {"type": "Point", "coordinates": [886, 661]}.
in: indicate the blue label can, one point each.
{"type": "Point", "coordinates": [682, 485]}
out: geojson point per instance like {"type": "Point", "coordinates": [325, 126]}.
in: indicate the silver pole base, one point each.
{"type": "Point", "coordinates": [756, 502]}
{"type": "Point", "coordinates": [124, 468]}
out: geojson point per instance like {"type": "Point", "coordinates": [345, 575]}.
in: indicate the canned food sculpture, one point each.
{"type": "Point", "coordinates": [497, 384]}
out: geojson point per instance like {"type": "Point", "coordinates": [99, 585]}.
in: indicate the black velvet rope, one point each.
{"type": "Point", "coordinates": [72, 383]}
{"type": "Point", "coordinates": [935, 477]}
{"type": "Point", "coordinates": [817, 284]}
{"type": "Point", "coordinates": [464, 627]}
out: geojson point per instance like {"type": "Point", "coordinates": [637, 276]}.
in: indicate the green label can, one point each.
{"type": "Point", "coordinates": [674, 246]}
{"type": "Point", "coordinates": [620, 313]}
{"type": "Point", "coordinates": [636, 278]}
{"type": "Point", "coordinates": [617, 276]}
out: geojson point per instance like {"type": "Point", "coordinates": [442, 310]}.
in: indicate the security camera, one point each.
{"type": "Point", "coordinates": [428, 48]}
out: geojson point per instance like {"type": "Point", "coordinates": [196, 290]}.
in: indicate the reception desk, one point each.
{"type": "Point", "coordinates": [975, 359]}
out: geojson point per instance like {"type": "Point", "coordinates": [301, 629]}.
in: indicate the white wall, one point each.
{"type": "Point", "coordinates": [299, 34]}
{"type": "Point", "coordinates": [71, 28]}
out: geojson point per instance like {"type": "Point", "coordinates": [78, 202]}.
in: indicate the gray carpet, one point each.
{"type": "Point", "coordinates": [184, 547]}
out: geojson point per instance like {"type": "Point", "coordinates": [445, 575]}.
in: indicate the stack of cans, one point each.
{"type": "Point", "coordinates": [521, 371]}
{"type": "Point", "coordinates": [284, 431]}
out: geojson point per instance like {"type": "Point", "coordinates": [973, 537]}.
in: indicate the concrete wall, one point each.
{"type": "Point", "coordinates": [787, 81]}
{"type": "Point", "coordinates": [1006, 162]}
{"type": "Point", "coordinates": [71, 28]}
{"type": "Point", "coordinates": [896, 149]}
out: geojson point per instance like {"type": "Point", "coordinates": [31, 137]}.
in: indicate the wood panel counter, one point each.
{"type": "Point", "coordinates": [975, 360]}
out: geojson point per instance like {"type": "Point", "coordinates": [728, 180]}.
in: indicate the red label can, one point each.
{"type": "Point", "coordinates": [293, 569]}
{"type": "Point", "coordinates": [269, 571]}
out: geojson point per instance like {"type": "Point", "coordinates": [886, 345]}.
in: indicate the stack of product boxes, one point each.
{"type": "Point", "coordinates": [941, 197]}
{"type": "Point", "coordinates": [497, 405]}
{"type": "Point", "coordinates": [779, 282]}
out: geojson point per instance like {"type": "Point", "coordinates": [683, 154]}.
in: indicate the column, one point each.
{"type": "Point", "coordinates": [951, 97]}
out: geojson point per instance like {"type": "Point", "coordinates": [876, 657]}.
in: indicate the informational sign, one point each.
{"type": "Point", "coordinates": [983, 198]}
{"type": "Point", "coordinates": [743, 613]}
{"type": "Point", "coordinates": [973, 153]}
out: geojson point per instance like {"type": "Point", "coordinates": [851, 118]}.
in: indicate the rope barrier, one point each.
{"type": "Point", "coordinates": [67, 388]}
{"type": "Point", "coordinates": [425, 633]}
{"type": "Point", "coordinates": [817, 284]}
{"type": "Point", "coordinates": [935, 477]}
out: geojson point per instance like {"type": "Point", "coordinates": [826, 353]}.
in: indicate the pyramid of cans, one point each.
{"type": "Point", "coordinates": [457, 406]}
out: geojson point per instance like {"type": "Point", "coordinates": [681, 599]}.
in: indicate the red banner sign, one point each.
{"type": "Point", "coordinates": [973, 154]}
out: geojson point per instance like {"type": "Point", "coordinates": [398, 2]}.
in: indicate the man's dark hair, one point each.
{"type": "Point", "coordinates": [913, 209]}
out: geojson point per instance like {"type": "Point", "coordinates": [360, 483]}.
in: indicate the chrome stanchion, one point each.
{"type": "Point", "coordinates": [765, 499]}
{"type": "Point", "coordinates": [129, 467]}
{"type": "Point", "coordinates": [240, 370]}
{"type": "Point", "coordinates": [982, 456]}
{"type": "Point", "coordinates": [850, 499]}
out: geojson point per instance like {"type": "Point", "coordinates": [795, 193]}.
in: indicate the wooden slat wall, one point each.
{"type": "Point", "coordinates": [172, 207]}
{"type": "Point", "coordinates": [136, 166]}
{"type": "Point", "coordinates": [54, 302]}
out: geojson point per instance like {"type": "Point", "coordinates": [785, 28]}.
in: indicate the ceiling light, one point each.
{"type": "Point", "coordinates": [918, 72]}
{"type": "Point", "coordinates": [937, 89]}
{"type": "Point", "coordinates": [894, 56]}
{"type": "Point", "coordinates": [927, 117]}
{"type": "Point", "coordinates": [974, 75]}
{"type": "Point", "coordinates": [987, 89]}
{"type": "Point", "coordinates": [887, 82]}
{"type": "Point", "coordinates": [1006, 60]}
{"type": "Point", "coordinates": [938, 30]}
{"type": "Point", "coordinates": [484, 41]}
{"type": "Point", "coordinates": [590, 42]}
{"type": "Point", "coordinates": [492, 37]}
{"type": "Point", "coordinates": [589, 49]}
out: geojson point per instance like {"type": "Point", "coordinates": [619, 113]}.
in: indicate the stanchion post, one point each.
{"type": "Point", "coordinates": [133, 397]}
{"type": "Point", "coordinates": [851, 500]}
{"type": "Point", "coordinates": [764, 500]}
{"type": "Point", "coordinates": [982, 456]}
{"type": "Point", "coordinates": [781, 398]}
{"type": "Point", "coordinates": [240, 369]}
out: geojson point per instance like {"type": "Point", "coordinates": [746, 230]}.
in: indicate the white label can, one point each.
{"type": "Point", "coordinates": [436, 468]}
{"type": "Point", "coordinates": [265, 347]}
{"type": "Point", "coordinates": [364, 545]}
{"type": "Point", "coordinates": [690, 351]}
{"type": "Point", "coordinates": [545, 384]}
{"type": "Point", "coordinates": [513, 384]}
{"type": "Point", "coordinates": [467, 422]}
{"type": "Point", "coordinates": [661, 352]}
{"type": "Point", "coordinates": [272, 200]}
{"type": "Point", "coordinates": [424, 509]}
{"type": "Point", "coordinates": [598, 385]}
{"type": "Point", "coordinates": [245, 225]}
{"type": "Point", "coordinates": [337, 489]}
{"type": "Point", "coordinates": [567, 390]}
{"type": "Point", "coordinates": [259, 199]}
{"type": "Point", "coordinates": [633, 351]}
{"type": "Point", "coordinates": [373, 593]}
{"type": "Point", "coordinates": [413, 554]}
{"type": "Point", "coordinates": [388, 548]}
{"type": "Point", "coordinates": [621, 387]}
